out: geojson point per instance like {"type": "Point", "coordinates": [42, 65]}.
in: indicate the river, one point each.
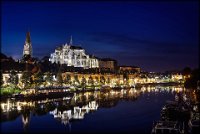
{"type": "Point", "coordinates": [131, 110]}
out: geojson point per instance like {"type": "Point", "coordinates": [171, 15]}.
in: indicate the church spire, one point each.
{"type": "Point", "coordinates": [28, 37]}
{"type": "Point", "coordinates": [70, 43]}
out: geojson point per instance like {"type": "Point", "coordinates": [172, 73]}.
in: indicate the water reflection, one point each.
{"type": "Point", "coordinates": [76, 113]}
{"type": "Point", "coordinates": [71, 108]}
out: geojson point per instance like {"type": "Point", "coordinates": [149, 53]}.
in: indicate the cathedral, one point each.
{"type": "Point", "coordinates": [27, 46]}
{"type": "Point", "coordinates": [73, 56]}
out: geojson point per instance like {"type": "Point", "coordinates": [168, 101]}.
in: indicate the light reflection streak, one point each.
{"type": "Point", "coordinates": [69, 108]}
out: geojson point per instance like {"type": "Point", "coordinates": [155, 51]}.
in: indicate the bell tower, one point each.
{"type": "Point", "coordinates": [27, 46]}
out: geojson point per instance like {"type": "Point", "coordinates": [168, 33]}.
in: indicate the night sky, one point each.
{"type": "Point", "coordinates": [154, 36]}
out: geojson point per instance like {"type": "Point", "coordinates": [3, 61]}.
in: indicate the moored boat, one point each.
{"type": "Point", "coordinates": [166, 127]}
{"type": "Point", "coordinates": [194, 123]}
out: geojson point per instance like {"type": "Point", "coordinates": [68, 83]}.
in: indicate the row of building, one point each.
{"type": "Point", "coordinates": [111, 80]}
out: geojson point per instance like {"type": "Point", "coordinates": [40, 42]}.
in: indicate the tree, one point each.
{"type": "Point", "coordinates": [192, 81]}
{"type": "Point", "coordinates": [186, 71]}
{"type": "Point", "coordinates": [13, 78]}
{"type": "Point", "coordinates": [83, 82]}
{"type": "Point", "coordinates": [38, 78]}
{"type": "Point", "coordinates": [76, 79]}
{"type": "Point", "coordinates": [102, 80]}
{"type": "Point", "coordinates": [97, 79]}
{"type": "Point", "coordinates": [26, 78]}
{"type": "Point", "coordinates": [108, 81]}
{"type": "Point", "coordinates": [68, 79]}
{"type": "Point", "coordinates": [49, 78]}
{"type": "Point", "coordinates": [59, 78]}
{"type": "Point", "coordinates": [90, 81]}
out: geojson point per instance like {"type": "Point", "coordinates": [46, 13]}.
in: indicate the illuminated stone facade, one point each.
{"type": "Point", "coordinates": [76, 113]}
{"type": "Point", "coordinates": [6, 76]}
{"type": "Point", "coordinates": [73, 56]}
{"type": "Point", "coordinates": [27, 46]}
{"type": "Point", "coordinates": [110, 80]}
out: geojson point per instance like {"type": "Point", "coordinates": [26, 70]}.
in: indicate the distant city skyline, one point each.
{"type": "Point", "coordinates": [154, 36]}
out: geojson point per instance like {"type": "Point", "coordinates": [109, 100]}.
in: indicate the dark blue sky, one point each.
{"type": "Point", "coordinates": [155, 36]}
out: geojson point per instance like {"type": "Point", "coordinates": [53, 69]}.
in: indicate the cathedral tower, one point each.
{"type": "Point", "coordinates": [27, 46]}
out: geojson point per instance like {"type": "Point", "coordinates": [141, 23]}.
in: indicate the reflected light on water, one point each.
{"type": "Point", "coordinates": [70, 108]}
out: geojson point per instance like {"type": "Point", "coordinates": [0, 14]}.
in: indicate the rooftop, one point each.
{"type": "Point", "coordinates": [130, 66]}
{"type": "Point", "coordinates": [107, 59]}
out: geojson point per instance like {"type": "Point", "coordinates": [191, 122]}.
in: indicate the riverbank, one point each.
{"type": "Point", "coordinates": [162, 84]}
{"type": "Point", "coordinates": [9, 90]}
{"type": "Point", "coordinates": [54, 92]}
{"type": "Point", "coordinates": [48, 95]}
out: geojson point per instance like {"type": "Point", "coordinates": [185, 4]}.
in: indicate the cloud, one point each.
{"type": "Point", "coordinates": [146, 53]}
{"type": "Point", "coordinates": [128, 43]}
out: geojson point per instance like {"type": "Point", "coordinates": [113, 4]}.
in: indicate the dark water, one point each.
{"type": "Point", "coordinates": [116, 111]}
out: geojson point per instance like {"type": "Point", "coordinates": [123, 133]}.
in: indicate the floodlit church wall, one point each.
{"type": "Point", "coordinates": [73, 57]}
